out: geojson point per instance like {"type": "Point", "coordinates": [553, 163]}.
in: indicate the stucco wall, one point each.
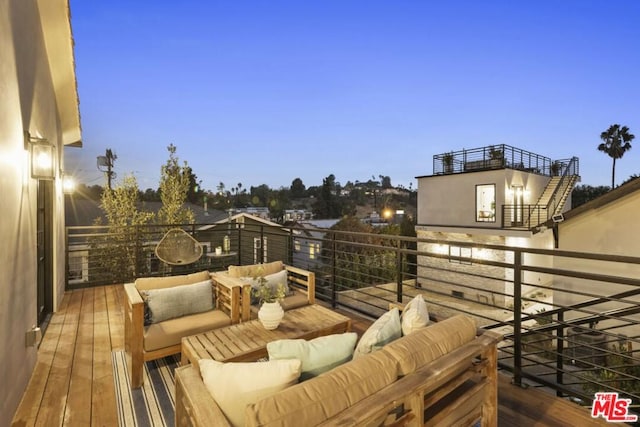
{"type": "Point", "coordinates": [612, 229]}
{"type": "Point", "coordinates": [451, 199]}
{"type": "Point", "coordinates": [27, 103]}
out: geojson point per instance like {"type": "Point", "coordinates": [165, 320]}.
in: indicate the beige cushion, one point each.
{"type": "Point", "coordinates": [146, 283]}
{"type": "Point", "coordinates": [255, 269]}
{"type": "Point", "coordinates": [178, 301]}
{"type": "Point", "coordinates": [170, 332]}
{"type": "Point", "coordinates": [235, 385]}
{"type": "Point", "coordinates": [415, 315]}
{"type": "Point", "coordinates": [384, 330]}
{"type": "Point", "coordinates": [313, 401]}
{"type": "Point", "coordinates": [427, 344]}
{"type": "Point", "coordinates": [317, 355]}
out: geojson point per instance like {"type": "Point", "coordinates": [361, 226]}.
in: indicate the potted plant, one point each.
{"type": "Point", "coordinates": [496, 157]}
{"type": "Point", "coordinates": [269, 296]}
{"type": "Point", "coordinates": [447, 162]}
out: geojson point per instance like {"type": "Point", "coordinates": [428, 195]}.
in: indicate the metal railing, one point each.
{"type": "Point", "coordinates": [491, 157]}
{"type": "Point", "coordinates": [570, 320]}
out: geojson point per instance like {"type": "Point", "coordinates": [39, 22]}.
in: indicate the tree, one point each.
{"type": "Point", "coordinates": [297, 189]}
{"type": "Point", "coordinates": [174, 186]}
{"type": "Point", "coordinates": [581, 194]}
{"type": "Point", "coordinates": [328, 204]}
{"type": "Point", "coordinates": [617, 141]}
{"type": "Point", "coordinates": [119, 255]}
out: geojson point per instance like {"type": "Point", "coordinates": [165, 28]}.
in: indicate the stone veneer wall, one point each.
{"type": "Point", "coordinates": [484, 283]}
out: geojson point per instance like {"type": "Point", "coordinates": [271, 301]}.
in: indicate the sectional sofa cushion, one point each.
{"type": "Point", "coordinates": [415, 315]}
{"type": "Point", "coordinates": [178, 301]}
{"type": "Point", "coordinates": [317, 355]}
{"type": "Point", "coordinates": [385, 329]}
{"type": "Point", "coordinates": [146, 283]}
{"type": "Point", "coordinates": [235, 385]}
{"type": "Point", "coordinates": [427, 344]}
{"type": "Point", "coordinates": [170, 332]}
{"type": "Point", "coordinates": [255, 270]}
{"type": "Point", "coordinates": [326, 395]}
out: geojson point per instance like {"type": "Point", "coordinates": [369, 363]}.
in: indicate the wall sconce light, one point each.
{"type": "Point", "coordinates": [42, 155]}
{"type": "Point", "coordinates": [68, 184]}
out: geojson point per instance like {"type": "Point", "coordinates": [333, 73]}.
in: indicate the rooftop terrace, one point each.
{"type": "Point", "coordinates": [496, 157]}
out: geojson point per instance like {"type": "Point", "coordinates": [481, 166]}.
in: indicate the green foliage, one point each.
{"type": "Point", "coordinates": [264, 292]}
{"type": "Point", "coordinates": [359, 264]}
{"type": "Point", "coordinates": [583, 193]}
{"type": "Point", "coordinates": [298, 189]}
{"type": "Point", "coordinates": [118, 255]}
{"type": "Point", "coordinates": [616, 141]}
{"type": "Point", "coordinates": [619, 374]}
{"type": "Point", "coordinates": [328, 204]}
{"type": "Point", "coordinates": [174, 186]}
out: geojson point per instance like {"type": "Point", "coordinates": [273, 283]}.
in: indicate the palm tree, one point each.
{"type": "Point", "coordinates": [617, 141]}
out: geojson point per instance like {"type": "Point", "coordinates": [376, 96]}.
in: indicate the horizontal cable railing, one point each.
{"type": "Point", "coordinates": [570, 320]}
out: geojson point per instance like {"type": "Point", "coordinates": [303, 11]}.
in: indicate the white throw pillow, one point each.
{"type": "Point", "coordinates": [235, 385]}
{"type": "Point", "coordinates": [415, 315]}
{"type": "Point", "coordinates": [177, 301]}
{"type": "Point", "coordinates": [317, 355]}
{"type": "Point", "coordinates": [382, 331]}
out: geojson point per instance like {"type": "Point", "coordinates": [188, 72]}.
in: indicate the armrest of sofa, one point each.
{"type": "Point", "coordinates": [195, 407]}
{"type": "Point", "coordinates": [304, 280]}
{"type": "Point", "coordinates": [430, 390]}
{"type": "Point", "coordinates": [133, 331]}
{"type": "Point", "coordinates": [232, 296]}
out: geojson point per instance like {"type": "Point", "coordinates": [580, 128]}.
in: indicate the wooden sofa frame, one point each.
{"type": "Point", "coordinates": [302, 280]}
{"type": "Point", "coordinates": [227, 299]}
{"type": "Point", "coordinates": [460, 388]}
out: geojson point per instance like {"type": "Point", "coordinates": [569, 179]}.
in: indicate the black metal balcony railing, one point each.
{"type": "Point", "coordinates": [570, 320]}
{"type": "Point", "coordinates": [497, 157]}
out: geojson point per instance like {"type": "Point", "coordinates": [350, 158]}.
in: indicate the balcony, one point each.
{"type": "Point", "coordinates": [546, 303]}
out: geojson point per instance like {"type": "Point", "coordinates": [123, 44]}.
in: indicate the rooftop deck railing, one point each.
{"type": "Point", "coordinates": [570, 320]}
{"type": "Point", "coordinates": [493, 157]}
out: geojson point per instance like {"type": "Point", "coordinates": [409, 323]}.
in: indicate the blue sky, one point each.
{"type": "Point", "coordinates": [262, 92]}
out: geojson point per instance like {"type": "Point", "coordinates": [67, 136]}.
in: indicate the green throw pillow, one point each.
{"type": "Point", "coordinates": [317, 355]}
{"type": "Point", "coordinates": [177, 301]}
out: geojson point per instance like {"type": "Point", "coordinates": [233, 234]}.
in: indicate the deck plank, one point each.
{"type": "Point", "coordinates": [104, 410]}
{"type": "Point", "coordinates": [54, 399]}
{"type": "Point", "coordinates": [115, 311]}
{"type": "Point", "coordinates": [81, 381]}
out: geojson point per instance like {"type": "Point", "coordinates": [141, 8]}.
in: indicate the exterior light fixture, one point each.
{"type": "Point", "coordinates": [41, 155]}
{"type": "Point", "coordinates": [68, 184]}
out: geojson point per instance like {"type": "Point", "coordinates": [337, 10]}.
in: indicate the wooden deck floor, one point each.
{"type": "Point", "coordinates": [72, 384]}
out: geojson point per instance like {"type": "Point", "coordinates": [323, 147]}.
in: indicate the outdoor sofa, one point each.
{"type": "Point", "coordinates": [160, 311]}
{"type": "Point", "coordinates": [444, 374]}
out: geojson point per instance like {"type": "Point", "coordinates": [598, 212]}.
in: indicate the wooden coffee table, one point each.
{"type": "Point", "coordinates": [247, 341]}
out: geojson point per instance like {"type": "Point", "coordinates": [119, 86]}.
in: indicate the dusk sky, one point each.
{"type": "Point", "coordinates": [262, 92]}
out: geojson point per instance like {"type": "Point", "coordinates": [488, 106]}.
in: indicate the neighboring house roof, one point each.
{"type": "Point", "coordinates": [610, 197]}
{"type": "Point", "coordinates": [80, 212]}
{"type": "Point", "coordinates": [235, 217]}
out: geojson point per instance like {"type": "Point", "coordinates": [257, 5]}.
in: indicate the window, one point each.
{"type": "Point", "coordinates": [460, 252]}
{"type": "Point", "coordinates": [296, 245]}
{"type": "Point", "coordinates": [486, 203]}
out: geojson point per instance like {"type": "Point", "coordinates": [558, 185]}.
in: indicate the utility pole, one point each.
{"type": "Point", "coordinates": [105, 164]}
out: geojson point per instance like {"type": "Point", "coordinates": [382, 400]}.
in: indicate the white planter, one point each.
{"type": "Point", "coordinates": [270, 314]}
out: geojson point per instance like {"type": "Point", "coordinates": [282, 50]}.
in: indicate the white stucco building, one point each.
{"type": "Point", "coordinates": [38, 116]}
